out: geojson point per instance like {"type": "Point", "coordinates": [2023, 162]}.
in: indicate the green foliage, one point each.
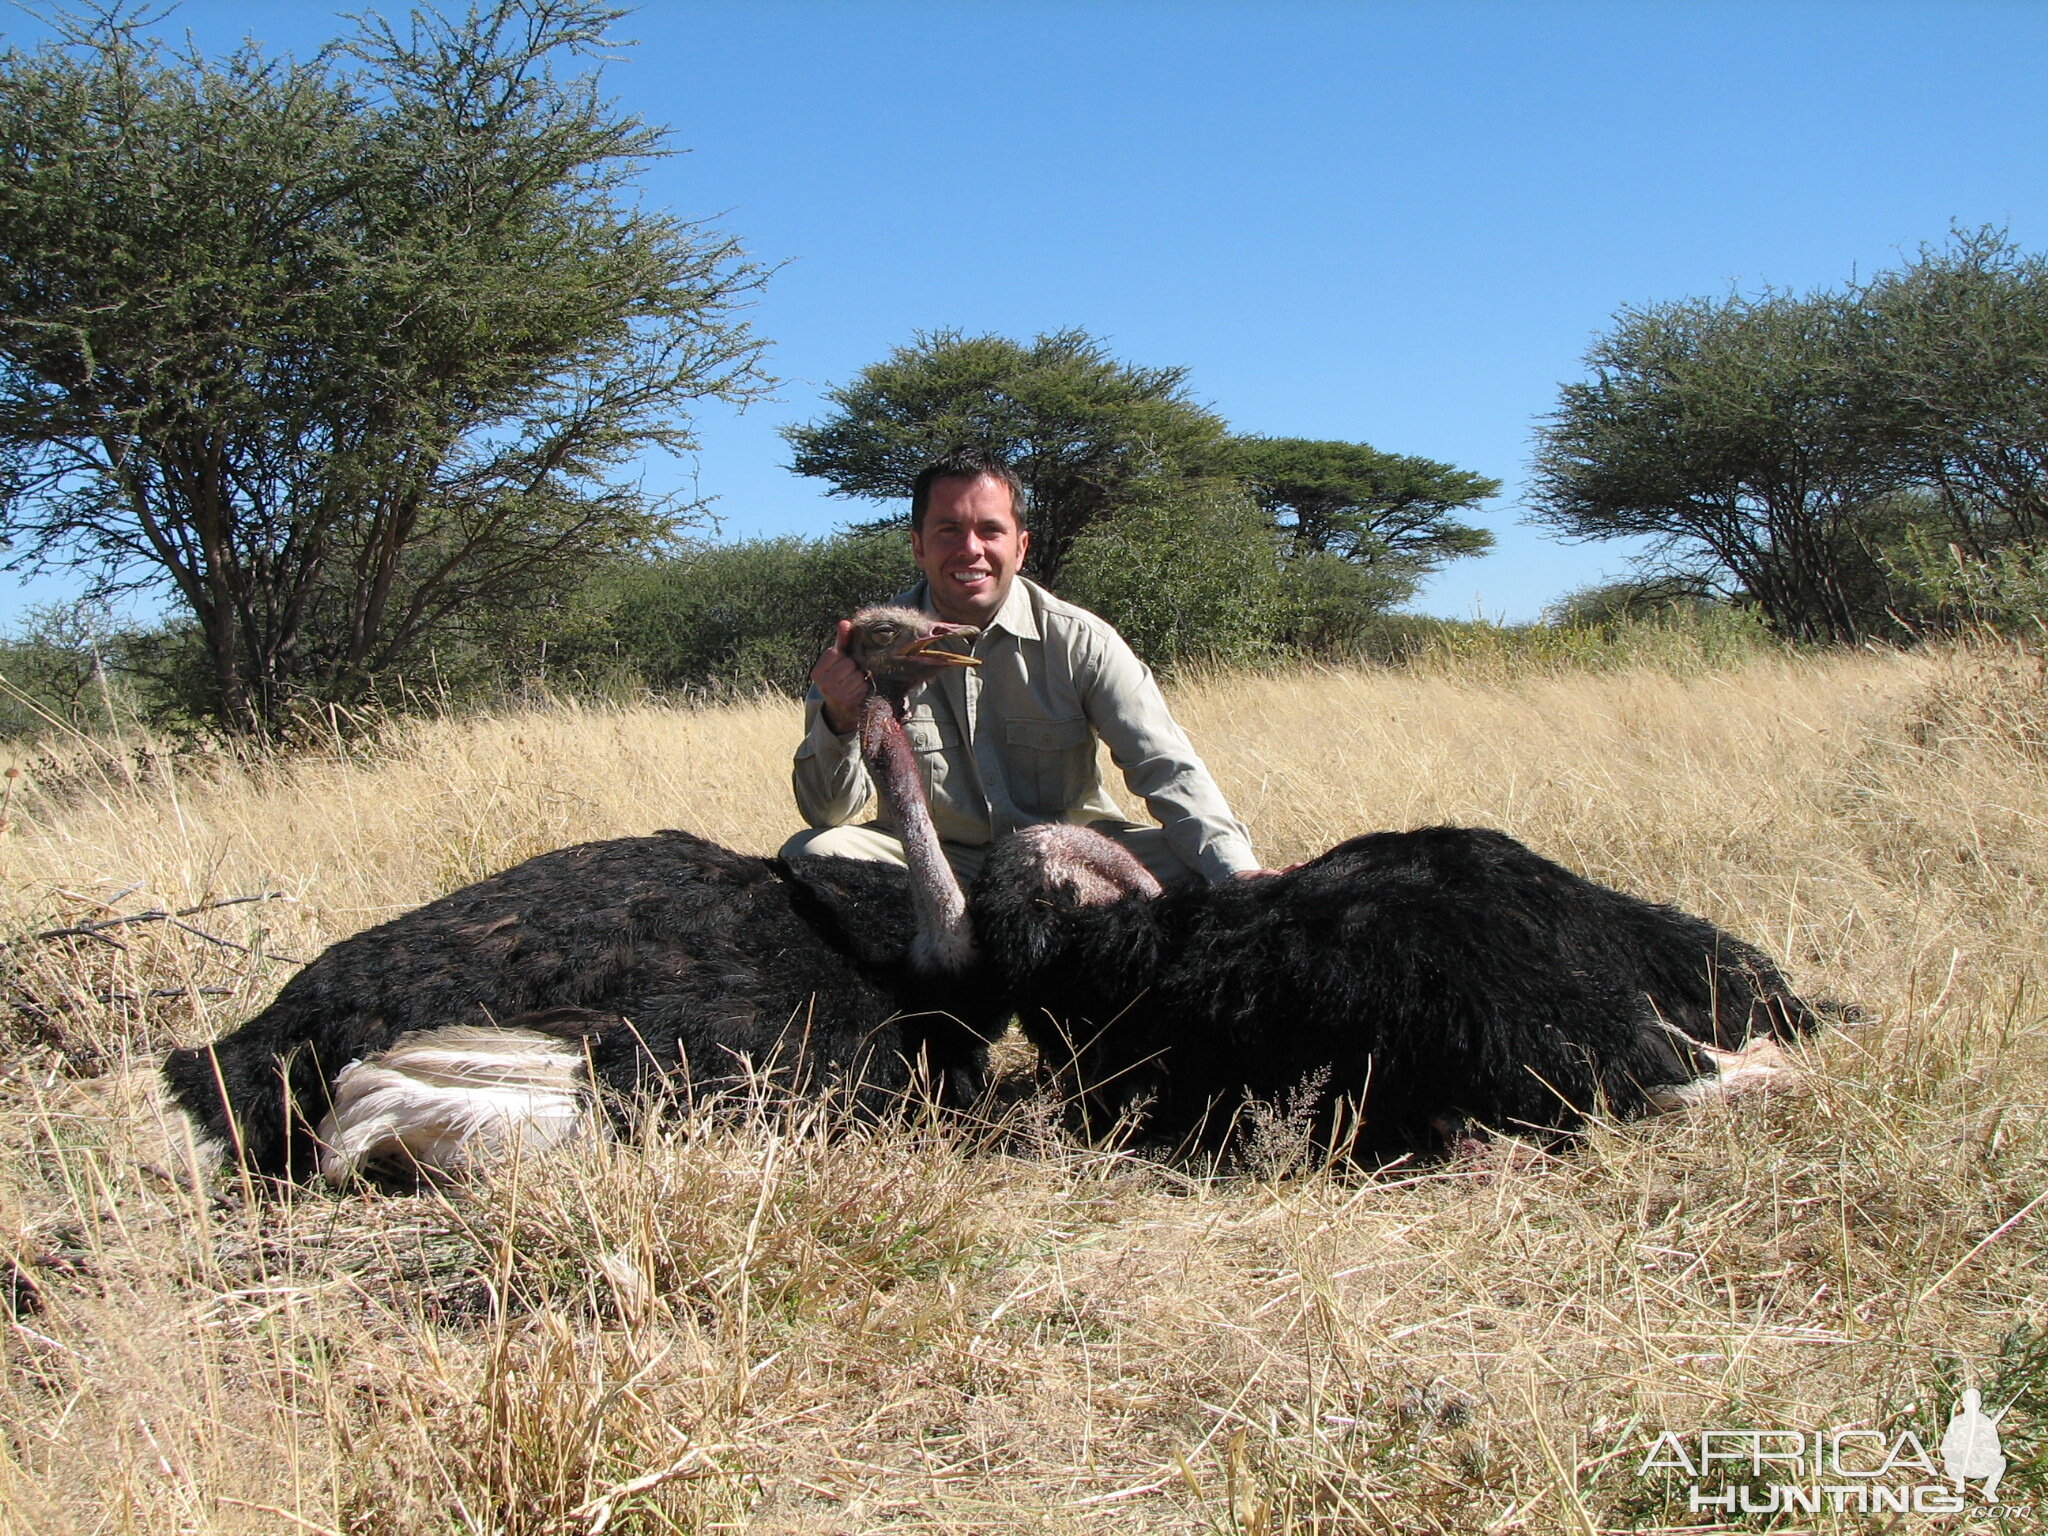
{"type": "Point", "coordinates": [732, 617]}
{"type": "Point", "coordinates": [1957, 343]}
{"type": "Point", "coordinates": [1100, 444]}
{"type": "Point", "coordinates": [1334, 610]}
{"type": "Point", "coordinates": [347, 355]}
{"type": "Point", "coordinates": [1388, 512]}
{"type": "Point", "coordinates": [1186, 571]}
{"type": "Point", "coordinates": [1736, 429]}
{"type": "Point", "coordinates": [1649, 599]}
{"type": "Point", "coordinates": [1810, 452]}
{"type": "Point", "coordinates": [1681, 640]}
{"type": "Point", "coordinates": [1083, 431]}
{"type": "Point", "coordinates": [60, 673]}
{"type": "Point", "coordinates": [2018, 1394]}
{"type": "Point", "coordinates": [2005, 590]}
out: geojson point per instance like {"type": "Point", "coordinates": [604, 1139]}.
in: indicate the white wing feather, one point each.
{"type": "Point", "coordinates": [440, 1098]}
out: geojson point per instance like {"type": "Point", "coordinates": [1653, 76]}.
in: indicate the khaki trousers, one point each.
{"type": "Point", "coordinates": [868, 841]}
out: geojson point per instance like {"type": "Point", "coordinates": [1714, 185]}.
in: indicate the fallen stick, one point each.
{"type": "Point", "coordinates": [97, 929]}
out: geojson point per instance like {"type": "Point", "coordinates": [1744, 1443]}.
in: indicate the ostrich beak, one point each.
{"type": "Point", "coordinates": [921, 648]}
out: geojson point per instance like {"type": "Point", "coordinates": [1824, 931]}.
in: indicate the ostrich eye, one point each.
{"type": "Point", "coordinates": [884, 632]}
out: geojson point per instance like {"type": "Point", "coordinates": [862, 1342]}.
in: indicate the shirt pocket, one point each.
{"type": "Point", "coordinates": [1051, 764]}
{"type": "Point", "coordinates": [931, 742]}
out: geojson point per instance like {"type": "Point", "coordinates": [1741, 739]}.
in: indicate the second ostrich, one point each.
{"type": "Point", "coordinates": [660, 966]}
{"type": "Point", "coordinates": [1400, 988]}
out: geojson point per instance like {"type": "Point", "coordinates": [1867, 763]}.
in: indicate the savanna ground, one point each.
{"type": "Point", "coordinates": [759, 1326]}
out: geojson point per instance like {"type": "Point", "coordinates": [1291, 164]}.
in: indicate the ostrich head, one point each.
{"type": "Point", "coordinates": [896, 648]}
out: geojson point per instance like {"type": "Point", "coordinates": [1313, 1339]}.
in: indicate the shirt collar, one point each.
{"type": "Point", "coordinates": [1018, 615]}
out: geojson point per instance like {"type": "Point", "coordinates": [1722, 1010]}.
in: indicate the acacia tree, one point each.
{"type": "Point", "coordinates": [1746, 435]}
{"type": "Point", "coordinates": [343, 352]}
{"type": "Point", "coordinates": [1956, 343]}
{"type": "Point", "coordinates": [1084, 432]}
{"type": "Point", "coordinates": [1387, 512]}
{"type": "Point", "coordinates": [1841, 459]}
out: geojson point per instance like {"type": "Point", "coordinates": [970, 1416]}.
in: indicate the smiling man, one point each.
{"type": "Point", "coordinates": [1011, 743]}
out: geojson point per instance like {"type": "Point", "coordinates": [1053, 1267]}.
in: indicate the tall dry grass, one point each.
{"type": "Point", "coordinates": [772, 1323]}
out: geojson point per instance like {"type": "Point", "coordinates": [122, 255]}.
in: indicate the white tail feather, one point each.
{"type": "Point", "coordinates": [440, 1098]}
{"type": "Point", "coordinates": [1759, 1065]}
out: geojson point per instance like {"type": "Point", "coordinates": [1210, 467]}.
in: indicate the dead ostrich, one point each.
{"type": "Point", "coordinates": [1398, 991]}
{"type": "Point", "coordinates": [660, 966]}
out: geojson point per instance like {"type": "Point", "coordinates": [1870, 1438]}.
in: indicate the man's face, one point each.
{"type": "Point", "coordinates": [970, 548]}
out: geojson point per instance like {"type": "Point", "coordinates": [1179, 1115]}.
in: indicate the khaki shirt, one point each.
{"type": "Point", "coordinates": [1011, 743]}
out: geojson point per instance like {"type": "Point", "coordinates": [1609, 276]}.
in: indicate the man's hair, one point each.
{"type": "Point", "coordinates": [965, 464]}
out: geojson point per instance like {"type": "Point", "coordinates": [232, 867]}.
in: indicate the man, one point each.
{"type": "Point", "coordinates": [1012, 742]}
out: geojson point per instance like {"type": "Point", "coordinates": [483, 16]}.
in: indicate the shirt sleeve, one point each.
{"type": "Point", "coordinates": [1159, 765]}
{"type": "Point", "coordinates": [831, 782]}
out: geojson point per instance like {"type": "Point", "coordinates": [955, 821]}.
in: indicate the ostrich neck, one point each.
{"type": "Point", "coordinates": [944, 941]}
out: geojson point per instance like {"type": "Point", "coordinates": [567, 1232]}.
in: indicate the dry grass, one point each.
{"type": "Point", "coordinates": [777, 1325]}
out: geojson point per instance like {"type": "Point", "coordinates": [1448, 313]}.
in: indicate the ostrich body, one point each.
{"type": "Point", "coordinates": [660, 966]}
{"type": "Point", "coordinates": [1396, 988]}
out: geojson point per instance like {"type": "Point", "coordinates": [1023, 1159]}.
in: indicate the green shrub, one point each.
{"type": "Point", "coordinates": [1642, 599]}
{"type": "Point", "coordinates": [725, 618]}
{"type": "Point", "coordinates": [1334, 609]}
{"type": "Point", "coordinates": [1188, 572]}
{"type": "Point", "coordinates": [64, 671]}
{"type": "Point", "coordinates": [1680, 639]}
{"type": "Point", "coordinates": [2006, 590]}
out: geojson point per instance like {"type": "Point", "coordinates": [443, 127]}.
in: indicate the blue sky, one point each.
{"type": "Point", "coordinates": [1393, 223]}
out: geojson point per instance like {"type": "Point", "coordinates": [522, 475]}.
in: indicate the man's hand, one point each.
{"type": "Point", "coordinates": [842, 685]}
{"type": "Point", "coordinates": [1260, 874]}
